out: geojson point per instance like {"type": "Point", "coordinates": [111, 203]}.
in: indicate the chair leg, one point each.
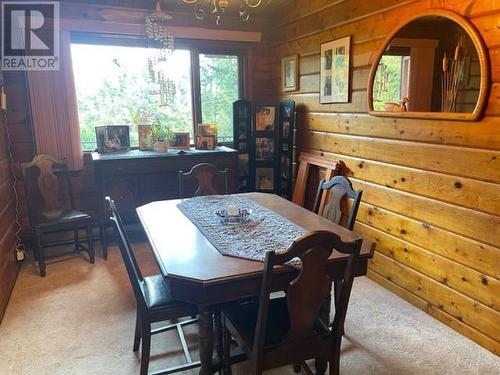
{"type": "Point", "coordinates": [335, 361]}
{"type": "Point", "coordinates": [76, 238]}
{"type": "Point", "coordinates": [337, 287]}
{"type": "Point", "coordinates": [41, 255]}
{"type": "Point", "coordinates": [137, 337]}
{"type": "Point", "coordinates": [324, 314]}
{"type": "Point", "coordinates": [104, 241]}
{"type": "Point", "coordinates": [90, 244]}
{"type": "Point", "coordinates": [146, 346]}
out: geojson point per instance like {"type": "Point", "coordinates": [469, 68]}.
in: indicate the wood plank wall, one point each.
{"type": "Point", "coordinates": [431, 196]}
{"type": "Point", "coordinates": [8, 227]}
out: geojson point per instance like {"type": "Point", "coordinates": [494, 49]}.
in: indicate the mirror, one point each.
{"type": "Point", "coordinates": [433, 66]}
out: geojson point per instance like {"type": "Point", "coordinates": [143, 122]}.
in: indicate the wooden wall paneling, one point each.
{"type": "Point", "coordinates": [463, 221]}
{"type": "Point", "coordinates": [430, 187]}
{"type": "Point", "coordinates": [493, 108]}
{"type": "Point", "coordinates": [315, 6]}
{"type": "Point", "coordinates": [482, 134]}
{"type": "Point", "coordinates": [133, 16]}
{"type": "Point", "coordinates": [463, 279]}
{"type": "Point", "coordinates": [495, 64]}
{"type": "Point", "coordinates": [456, 190]}
{"type": "Point", "coordinates": [468, 252]}
{"type": "Point", "coordinates": [454, 303]}
{"type": "Point", "coordinates": [311, 100]}
{"type": "Point", "coordinates": [333, 16]}
{"type": "Point", "coordinates": [461, 161]}
{"type": "Point", "coordinates": [8, 226]}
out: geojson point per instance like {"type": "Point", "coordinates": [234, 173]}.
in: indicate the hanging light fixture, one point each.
{"type": "Point", "coordinates": [216, 8]}
{"type": "Point", "coordinates": [162, 47]}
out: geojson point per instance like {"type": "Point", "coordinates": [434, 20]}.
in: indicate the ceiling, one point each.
{"type": "Point", "coordinates": [268, 8]}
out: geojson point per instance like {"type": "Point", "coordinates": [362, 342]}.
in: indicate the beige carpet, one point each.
{"type": "Point", "coordinates": [80, 320]}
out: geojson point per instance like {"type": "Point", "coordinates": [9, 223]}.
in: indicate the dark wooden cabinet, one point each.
{"type": "Point", "coordinates": [134, 178]}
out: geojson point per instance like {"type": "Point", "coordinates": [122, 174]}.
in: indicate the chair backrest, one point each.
{"type": "Point", "coordinates": [48, 186]}
{"type": "Point", "coordinates": [308, 291]}
{"type": "Point", "coordinates": [205, 174]}
{"type": "Point", "coordinates": [46, 178]}
{"type": "Point", "coordinates": [133, 270]}
{"type": "Point", "coordinates": [339, 188]}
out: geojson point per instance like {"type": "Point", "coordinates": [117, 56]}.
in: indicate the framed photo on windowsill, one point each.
{"type": "Point", "coordinates": [207, 142]}
{"type": "Point", "coordinates": [181, 140]}
{"type": "Point", "coordinates": [335, 70]}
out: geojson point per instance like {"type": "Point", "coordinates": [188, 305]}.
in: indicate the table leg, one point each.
{"type": "Point", "coordinates": [324, 314]}
{"type": "Point", "coordinates": [206, 337]}
{"type": "Point", "coordinates": [218, 337]}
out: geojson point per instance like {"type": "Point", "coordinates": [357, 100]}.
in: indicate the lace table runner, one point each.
{"type": "Point", "coordinates": [264, 231]}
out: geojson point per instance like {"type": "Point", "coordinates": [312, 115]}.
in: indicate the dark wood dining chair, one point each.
{"type": "Point", "coordinates": [48, 188]}
{"type": "Point", "coordinates": [289, 330]}
{"type": "Point", "coordinates": [339, 188]}
{"type": "Point", "coordinates": [154, 303]}
{"type": "Point", "coordinates": [205, 174]}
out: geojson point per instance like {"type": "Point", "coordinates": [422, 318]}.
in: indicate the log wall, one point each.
{"type": "Point", "coordinates": [8, 226]}
{"type": "Point", "coordinates": [431, 189]}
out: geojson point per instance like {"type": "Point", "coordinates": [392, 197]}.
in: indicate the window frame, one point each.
{"type": "Point", "coordinates": [195, 47]}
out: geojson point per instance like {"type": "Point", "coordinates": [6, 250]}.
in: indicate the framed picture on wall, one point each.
{"type": "Point", "coordinates": [290, 73]}
{"type": "Point", "coordinates": [335, 70]}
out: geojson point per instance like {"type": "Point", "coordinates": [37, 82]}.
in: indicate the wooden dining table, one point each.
{"type": "Point", "coordinates": [198, 273]}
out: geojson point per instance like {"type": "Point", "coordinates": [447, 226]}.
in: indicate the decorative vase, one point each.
{"type": "Point", "coordinates": [161, 146]}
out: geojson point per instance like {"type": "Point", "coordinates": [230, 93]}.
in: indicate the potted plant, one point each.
{"type": "Point", "coordinates": [160, 135]}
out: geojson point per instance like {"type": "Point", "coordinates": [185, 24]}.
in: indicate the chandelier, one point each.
{"type": "Point", "coordinates": [162, 47]}
{"type": "Point", "coordinates": [216, 8]}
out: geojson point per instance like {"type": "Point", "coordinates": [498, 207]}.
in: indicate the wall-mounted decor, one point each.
{"type": "Point", "coordinates": [334, 71]}
{"type": "Point", "coordinates": [424, 70]}
{"type": "Point", "coordinates": [290, 73]}
{"type": "Point", "coordinates": [112, 138]}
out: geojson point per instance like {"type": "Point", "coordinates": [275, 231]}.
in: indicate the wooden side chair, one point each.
{"type": "Point", "coordinates": [289, 330]}
{"type": "Point", "coordinates": [205, 174]}
{"type": "Point", "coordinates": [154, 303]}
{"type": "Point", "coordinates": [48, 185]}
{"type": "Point", "coordinates": [339, 188]}
{"type": "Point", "coordinates": [336, 191]}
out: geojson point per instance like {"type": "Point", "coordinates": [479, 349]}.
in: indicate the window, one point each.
{"type": "Point", "coordinates": [219, 83]}
{"type": "Point", "coordinates": [113, 88]}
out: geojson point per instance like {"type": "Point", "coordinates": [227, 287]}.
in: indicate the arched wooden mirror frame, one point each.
{"type": "Point", "coordinates": [483, 60]}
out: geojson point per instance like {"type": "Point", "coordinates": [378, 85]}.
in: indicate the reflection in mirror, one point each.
{"type": "Point", "coordinates": [430, 65]}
